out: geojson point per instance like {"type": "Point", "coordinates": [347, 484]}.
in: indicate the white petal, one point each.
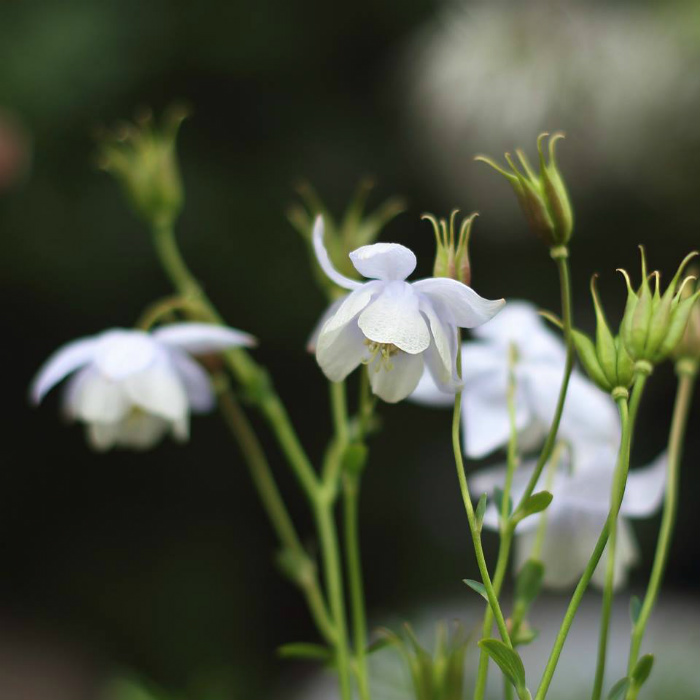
{"type": "Point", "coordinates": [202, 338]}
{"type": "Point", "coordinates": [340, 351]}
{"type": "Point", "coordinates": [520, 323]}
{"type": "Point", "coordinates": [71, 392]}
{"type": "Point", "coordinates": [102, 436]}
{"type": "Point", "coordinates": [196, 381]}
{"type": "Point", "coordinates": [480, 358]}
{"type": "Point", "coordinates": [350, 307]}
{"type": "Point", "coordinates": [100, 400]}
{"type": "Point", "coordinates": [441, 355]}
{"type": "Point", "coordinates": [325, 262]}
{"type": "Point", "coordinates": [427, 392]}
{"type": "Point", "coordinates": [141, 431]}
{"type": "Point", "coordinates": [64, 361]}
{"type": "Point", "coordinates": [120, 353]}
{"type": "Point", "coordinates": [626, 556]}
{"type": "Point", "coordinates": [645, 489]}
{"type": "Point", "coordinates": [394, 318]}
{"type": "Point", "coordinates": [180, 429]}
{"type": "Point", "coordinates": [158, 390]}
{"type": "Point", "coordinates": [395, 384]}
{"type": "Point", "coordinates": [466, 308]}
{"type": "Point", "coordinates": [384, 261]}
{"type": "Point", "coordinates": [327, 314]}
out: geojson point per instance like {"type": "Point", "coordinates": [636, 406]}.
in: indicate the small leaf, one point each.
{"type": "Point", "coordinates": [478, 587]}
{"type": "Point", "coordinates": [507, 660]}
{"type": "Point", "coordinates": [617, 692]}
{"type": "Point", "coordinates": [642, 670]}
{"type": "Point", "coordinates": [529, 581]}
{"type": "Point", "coordinates": [498, 500]}
{"type": "Point", "coordinates": [535, 504]}
{"type": "Point", "coordinates": [480, 510]}
{"type": "Point", "coordinates": [304, 650]}
{"type": "Point", "coordinates": [635, 608]}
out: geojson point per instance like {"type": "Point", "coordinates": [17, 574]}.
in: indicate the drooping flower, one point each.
{"type": "Point", "coordinates": [589, 417]}
{"type": "Point", "coordinates": [577, 514]}
{"type": "Point", "coordinates": [395, 326]}
{"type": "Point", "coordinates": [131, 387]}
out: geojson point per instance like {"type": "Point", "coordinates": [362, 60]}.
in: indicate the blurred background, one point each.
{"type": "Point", "coordinates": [144, 565]}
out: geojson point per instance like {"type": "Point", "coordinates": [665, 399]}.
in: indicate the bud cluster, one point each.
{"type": "Point", "coordinates": [452, 254]}
{"type": "Point", "coordinates": [543, 197]}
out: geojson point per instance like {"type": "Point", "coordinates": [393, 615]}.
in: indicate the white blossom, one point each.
{"type": "Point", "coordinates": [394, 326]}
{"type": "Point", "coordinates": [589, 419]}
{"type": "Point", "coordinates": [577, 514]}
{"type": "Point", "coordinates": [131, 387]}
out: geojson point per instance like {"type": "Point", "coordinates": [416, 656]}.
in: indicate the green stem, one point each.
{"type": "Point", "coordinates": [684, 394]}
{"type": "Point", "coordinates": [627, 417]}
{"type": "Point", "coordinates": [245, 369]}
{"type": "Point", "coordinates": [466, 498]}
{"type": "Point", "coordinates": [507, 530]}
{"type": "Point", "coordinates": [562, 263]}
{"type": "Point", "coordinates": [273, 504]}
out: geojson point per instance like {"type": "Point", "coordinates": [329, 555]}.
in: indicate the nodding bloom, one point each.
{"type": "Point", "coordinates": [132, 387]}
{"type": "Point", "coordinates": [577, 513]}
{"type": "Point", "coordinates": [394, 326]}
{"type": "Point", "coordinates": [519, 341]}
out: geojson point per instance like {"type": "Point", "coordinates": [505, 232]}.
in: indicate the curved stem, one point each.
{"type": "Point", "coordinates": [273, 504]}
{"type": "Point", "coordinates": [627, 417]}
{"type": "Point", "coordinates": [466, 498]}
{"type": "Point", "coordinates": [507, 530]}
{"type": "Point", "coordinates": [679, 421]}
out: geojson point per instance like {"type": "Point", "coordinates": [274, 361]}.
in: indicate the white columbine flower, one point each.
{"type": "Point", "coordinates": [589, 417]}
{"type": "Point", "coordinates": [577, 514]}
{"type": "Point", "coordinates": [132, 387]}
{"type": "Point", "coordinates": [393, 325]}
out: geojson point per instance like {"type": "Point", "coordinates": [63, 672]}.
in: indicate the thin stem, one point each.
{"type": "Point", "coordinates": [627, 418]}
{"type": "Point", "coordinates": [244, 368]}
{"type": "Point", "coordinates": [273, 505]}
{"type": "Point", "coordinates": [507, 529]}
{"type": "Point", "coordinates": [466, 498]}
{"type": "Point", "coordinates": [684, 394]}
{"type": "Point", "coordinates": [567, 321]}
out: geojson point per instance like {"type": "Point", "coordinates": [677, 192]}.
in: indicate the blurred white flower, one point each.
{"type": "Point", "coordinates": [588, 422]}
{"type": "Point", "coordinates": [392, 325]}
{"type": "Point", "coordinates": [577, 514]}
{"type": "Point", "coordinates": [134, 387]}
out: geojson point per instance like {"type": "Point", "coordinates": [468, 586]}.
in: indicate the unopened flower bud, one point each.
{"type": "Point", "coordinates": [143, 158]}
{"type": "Point", "coordinates": [543, 197]}
{"type": "Point", "coordinates": [654, 323]}
{"type": "Point", "coordinates": [452, 254]}
{"type": "Point", "coordinates": [689, 346]}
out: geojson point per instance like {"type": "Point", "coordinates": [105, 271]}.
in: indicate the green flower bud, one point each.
{"type": "Point", "coordinates": [543, 197]}
{"type": "Point", "coordinates": [654, 323]}
{"type": "Point", "coordinates": [142, 157]}
{"type": "Point", "coordinates": [689, 346]}
{"type": "Point", "coordinates": [341, 236]}
{"type": "Point", "coordinates": [452, 256]}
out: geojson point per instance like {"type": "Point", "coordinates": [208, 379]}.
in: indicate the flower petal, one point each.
{"type": "Point", "coordinates": [120, 353]}
{"type": "Point", "coordinates": [64, 361]}
{"type": "Point", "coordinates": [327, 314]}
{"type": "Point", "coordinates": [102, 436]}
{"type": "Point", "coordinates": [99, 400]}
{"type": "Point", "coordinates": [196, 381]}
{"type": "Point", "coordinates": [340, 351]}
{"type": "Point", "coordinates": [427, 392]}
{"type": "Point", "coordinates": [441, 355]}
{"type": "Point", "coordinates": [202, 338]}
{"type": "Point", "coordinates": [395, 384]}
{"type": "Point", "coordinates": [465, 307]}
{"type": "Point", "coordinates": [324, 260]}
{"type": "Point", "coordinates": [350, 307]}
{"type": "Point", "coordinates": [141, 431]}
{"type": "Point", "coordinates": [645, 489]}
{"type": "Point", "coordinates": [384, 261]}
{"type": "Point", "coordinates": [394, 318]}
{"type": "Point", "coordinates": [158, 390]}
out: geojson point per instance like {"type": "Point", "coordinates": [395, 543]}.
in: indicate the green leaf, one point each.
{"type": "Point", "coordinates": [635, 608]}
{"type": "Point", "coordinates": [535, 504]}
{"type": "Point", "coordinates": [480, 510]}
{"type": "Point", "coordinates": [498, 500]}
{"type": "Point", "coordinates": [529, 581]}
{"type": "Point", "coordinates": [617, 692]}
{"type": "Point", "coordinates": [478, 587]}
{"type": "Point", "coordinates": [507, 660]}
{"type": "Point", "coordinates": [304, 650]}
{"type": "Point", "coordinates": [642, 670]}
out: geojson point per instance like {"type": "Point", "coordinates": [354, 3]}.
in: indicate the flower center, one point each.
{"type": "Point", "coordinates": [382, 353]}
